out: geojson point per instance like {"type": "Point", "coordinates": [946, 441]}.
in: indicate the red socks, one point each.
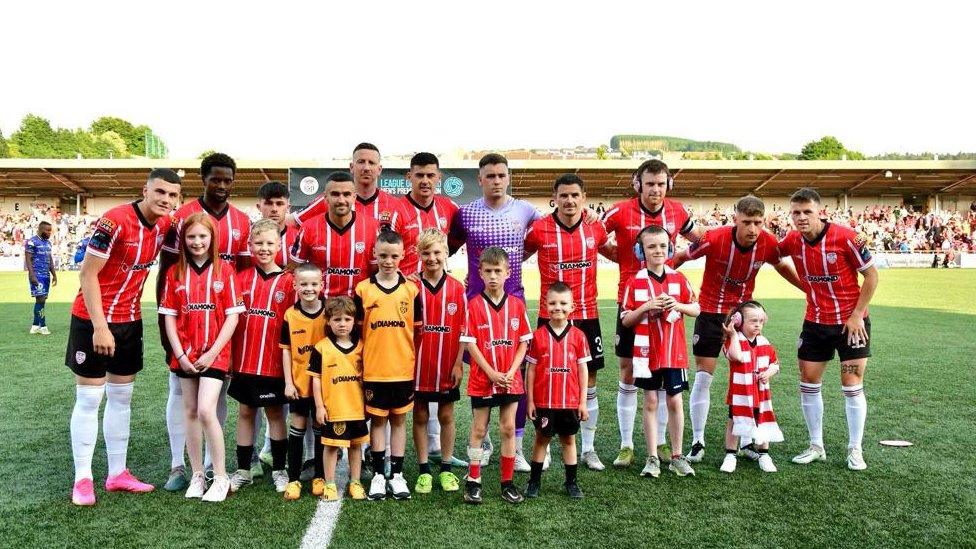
{"type": "Point", "coordinates": [508, 468]}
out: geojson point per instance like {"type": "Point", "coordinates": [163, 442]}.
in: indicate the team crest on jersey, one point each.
{"type": "Point", "coordinates": [368, 394]}
{"type": "Point", "coordinates": [694, 339]}
{"type": "Point", "coordinates": [403, 307]}
{"type": "Point", "coordinates": [279, 296]}
{"type": "Point", "coordinates": [451, 308]}
{"type": "Point", "coordinates": [360, 247]}
{"type": "Point", "coordinates": [669, 226]}
{"type": "Point", "coordinates": [514, 323]}
{"type": "Point", "coordinates": [442, 222]}
{"type": "Point", "coordinates": [831, 258]}
{"type": "Point", "coordinates": [544, 422]}
{"type": "Point", "coordinates": [159, 240]}
{"type": "Point", "coordinates": [80, 357]}
{"type": "Point", "coordinates": [339, 428]}
{"type": "Point", "coordinates": [218, 286]}
{"type": "Point", "coordinates": [590, 243]}
{"type": "Point", "coordinates": [644, 351]}
{"type": "Point", "coordinates": [235, 234]}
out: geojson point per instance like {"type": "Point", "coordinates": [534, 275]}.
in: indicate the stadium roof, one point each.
{"type": "Point", "coordinates": [604, 178]}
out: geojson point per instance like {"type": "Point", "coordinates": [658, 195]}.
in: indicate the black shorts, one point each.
{"type": "Point", "coordinates": [388, 397]}
{"type": "Point", "coordinates": [594, 339]}
{"type": "Point", "coordinates": [212, 373]}
{"type": "Point", "coordinates": [708, 338]}
{"type": "Point", "coordinates": [257, 391]}
{"type": "Point", "coordinates": [424, 397]}
{"type": "Point", "coordinates": [670, 380]}
{"type": "Point", "coordinates": [623, 340]}
{"type": "Point", "coordinates": [550, 422]}
{"type": "Point", "coordinates": [344, 434]}
{"type": "Point", "coordinates": [818, 342]}
{"type": "Point", "coordinates": [301, 407]}
{"type": "Point", "coordinates": [81, 357]}
{"type": "Point", "coordinates": [494, 401]}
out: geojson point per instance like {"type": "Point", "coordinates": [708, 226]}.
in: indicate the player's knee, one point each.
{"type": "Point", "coordinates": [208, 417]}
{"type": "Point", "coordinates": [420, 415]}
{"type": "Point", "coordinates": [445, 416]}
{"type": "Point", "coordinates": [478, 432]}
{"type": "Point", "coordinates": [507, 428]}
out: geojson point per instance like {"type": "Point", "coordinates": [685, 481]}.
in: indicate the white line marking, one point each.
{"type": "Point", "coordinates": [320, 530]}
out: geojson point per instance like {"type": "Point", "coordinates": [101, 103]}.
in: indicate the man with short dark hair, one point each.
{"type": "Point", "coordinates": [422, 208]}
{"type": "Point", "coordinates": [40, 273]}
{"type": "Point", "coordinates": [105, 338]}
{"type": "Point", "coordinates": [733, 256]}
{"type": "Point", "coordinates": [828, 258]}
{"type": "Point", "coordinates": [652, 180]}
{"type": "Point", "coordinates": [274, 203]}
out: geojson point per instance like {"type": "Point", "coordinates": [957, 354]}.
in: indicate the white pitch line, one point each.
{"type": "Point", "coordinates": [319, 532]}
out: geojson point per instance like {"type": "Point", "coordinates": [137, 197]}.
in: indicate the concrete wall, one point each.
{"type": "Point", "coordinates": [21, 204]}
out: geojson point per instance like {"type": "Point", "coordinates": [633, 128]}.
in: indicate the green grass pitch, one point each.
{"type": "Point", "coordinates": [920, 386]}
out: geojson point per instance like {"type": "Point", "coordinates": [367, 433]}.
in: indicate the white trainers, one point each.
{"type": "Point", "coordinates": [652, 467]}
{"type": "Point", "coordinates": [240, 478]}
{"type": "Point", "coordinates": [766, 464]}
{"type": "Point", "coordinates": [748, 451]}
{"type": "Point", "coordinates": [811, 454]}
{"type": "Point", "coordinates": [198, 485]}
{"type": "Point", "coordinates": [398, 485]}
{"type": "Point", "coordinates": [377, 487]}
{"type": "Point", "coordinates": [592, 461]}
{"type": "Point", "coordinates": [729, 463]}
{"type": "Point", "coordinates": [855, 460]}
{"type": "Point", "coordinates": [681, 467]}
{"type": "Point", "coordinates": [35, 330]}
{"type": "Point", "coordinates": [486, 449]}
{"type": "Point", "coordinates": [44, 331]}
{"type": "Point", "coordinates": [280, 480]}
{"type": "Point", "coordinates": [218, 489]}
{"type": "Point", "coordinates": [521, 464]}
{"type": "Point", "coordinates": [548, 459]}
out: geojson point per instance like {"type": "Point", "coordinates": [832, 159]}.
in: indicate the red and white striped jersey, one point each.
{"type": "Point", "coordinates": [628, 217]}
{"type": "Point", "coordinates": [829, 265]}
{"type": "Point", "coordinates": [445, 309]}
{"type": "Point", "coordinates": [761, 355]}
{"type": "Point", "coordinates": [345, 254]}
{"type": "Point", "coordinates": [380, 207]}
{"type": "Point", "coordinates": [730, 269]}
{"type": "Point", "coordinates": [233, 230]}
{"type": "Point", "coordinates": [411, 219]}
{"type": "Point", "coordinates": [266, 297]}
{"type": "Point", "coordinates": [289, 235]}
{"type": "Point", "coordinates": [662, 341]}
{"type": "Point", "coordinates": [556, 361]}
{"type": "Point", "coordinates": [567, 254]}
{"type": "Point", "coordinates": [130, 246]}
{"type": "Point", "coordinates": [201, 302]}
{"type": "Point", "coordinates": [497, 330]}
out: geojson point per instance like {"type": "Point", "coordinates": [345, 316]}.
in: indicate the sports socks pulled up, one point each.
{"type": "Point", "coordinates": [588, 431]}
{"type": "Point", "coordinates": [856, 406]}
{"type": "Point", "coordinates": [811, 401]}
{"type": "Point", "coordinates": [698, 405]}
{"type": "Point", "coordinates": [84, 428]}
{"type": "Point", "coordinates": [115, 425]}
{"type": "Point", "coordinates": [626, 412]}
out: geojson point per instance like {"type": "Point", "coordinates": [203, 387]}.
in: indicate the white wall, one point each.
{"type": "Point", "coordinates": [21, 204]}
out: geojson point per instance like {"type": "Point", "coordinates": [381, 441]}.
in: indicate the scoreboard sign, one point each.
{"type": "Point", "coordinates": [460, 185]}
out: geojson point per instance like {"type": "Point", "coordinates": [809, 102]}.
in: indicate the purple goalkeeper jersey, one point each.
{"type": "Point", "coordinates": [480, 227]}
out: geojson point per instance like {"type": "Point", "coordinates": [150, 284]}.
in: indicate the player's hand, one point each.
{"type": "Point", "coordinates": [457, 372]}
{"type": "Point", "coordinates": [530, 410]}
{"type": "Point", "coordinates": [581, 412]}
{"type": "Point", "coordinates": [768, 373]}
{"type": "Point", "coordinates": [205, 361]}
{"type": "Point", "coordinates": [33, 280]}
{"type": "Point", "coordinates": [291, 393]}
{"type": "Point", "coordinates": [857, 334]}
{"type": "Point", "coordinates": [103, 341]}
{"type": "Point", "coordinates": [54, 279]}
{"type": "Point", "coordinates": [728, 330]}
{"type": "Point", "coordinates": [668, 302]}
{"type": "Point", "coordinates": [413, 277]}
{"type": "Point", "coordinates": [497, 378]}
{"type": "Point", "coordinates": [590, 216]}
{"type": "Point", "coordinates": [320, 415]}
{"type": "Point", "coordinates": [186, 365]}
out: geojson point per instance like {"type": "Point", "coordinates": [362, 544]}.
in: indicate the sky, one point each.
{"type": "Point", "coordinates": [297, 80]}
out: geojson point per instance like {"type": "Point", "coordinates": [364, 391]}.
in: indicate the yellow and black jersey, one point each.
{"type": "Point", "coordinates": [300, 331]}
{"type": "Point", "coordinates": [389, 317]}
{"type": "Point", "coordinates": [341, 373]}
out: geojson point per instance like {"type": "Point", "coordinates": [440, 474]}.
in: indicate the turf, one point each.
{"type": "Point", "coordinates": [920, 387]}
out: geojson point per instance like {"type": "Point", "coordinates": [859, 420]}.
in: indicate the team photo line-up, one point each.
{"type": "Point", "coordinates": [330, 324]}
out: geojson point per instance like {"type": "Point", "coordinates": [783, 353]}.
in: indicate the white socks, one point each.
{"type": "Point", "coordinates": [811, 400]}
{"type": "Point", "coordinates": [662, 417]}
{"type": "Point", "coordinates": [175, 422]}
{"type": "Point", "coordinates": [433, 428]}
{"type": "Point", "coordinates": [589, 426]}
{"type": "Point", "coordinates": [115, 425]}
{"type": "Point", "coordinates": [626, 412]}
{"type": "Point", "coordinates": [84, 427]}
{"type": "Point", "coordinates": [857, 410]}
{"type": "Point", "coordinates": [698, 405]}
{"type": "Point", "coordinates": [309, 439]}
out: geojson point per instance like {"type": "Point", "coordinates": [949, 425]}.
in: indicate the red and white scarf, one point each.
{"type": "Point", "coordinates": [644, 359]}
{"type": "Point", "coordinates": [747, 394]}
